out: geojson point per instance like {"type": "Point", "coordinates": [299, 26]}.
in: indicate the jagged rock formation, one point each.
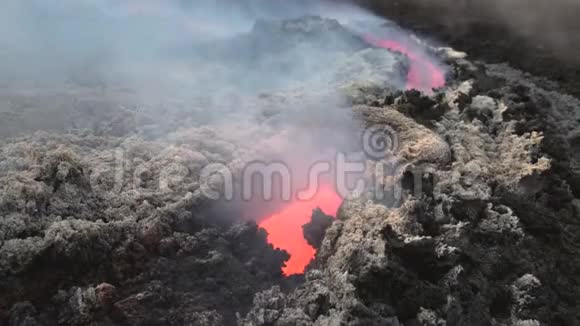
{"type": "Point", "coordinates": [315, 230]}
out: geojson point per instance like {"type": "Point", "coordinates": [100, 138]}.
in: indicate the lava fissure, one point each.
{"type": "Point", "coordinates": [285, 227]}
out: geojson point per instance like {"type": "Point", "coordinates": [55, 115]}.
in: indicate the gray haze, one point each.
{"type": "Point", "coordinates": [157, 48]}
{"type": "Point", "coordinates": [69, 64]}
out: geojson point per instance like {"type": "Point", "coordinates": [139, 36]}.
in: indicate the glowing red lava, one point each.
{"type": "Point", "coordinates": [285, 227]}
{"type": "Point", "coordinates": [423, 75]}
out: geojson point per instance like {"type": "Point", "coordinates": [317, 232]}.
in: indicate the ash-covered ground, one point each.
{"type": "Point", "coordinates": [105, 218]}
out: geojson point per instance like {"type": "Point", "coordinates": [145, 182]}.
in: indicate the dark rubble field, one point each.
{"type": "Point", "coordinates": [93, 231]}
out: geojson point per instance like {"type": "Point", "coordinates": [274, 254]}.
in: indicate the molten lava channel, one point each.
{"type": "Point", "coordinates": [423, 74]}
{"type": "Point", "coordinates": [285, 227]}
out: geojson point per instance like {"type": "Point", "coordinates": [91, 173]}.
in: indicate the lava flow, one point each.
{"type": "Point", "coordinates": [285, 227]}
{"type": "Point", "coordinates": [423, 75]}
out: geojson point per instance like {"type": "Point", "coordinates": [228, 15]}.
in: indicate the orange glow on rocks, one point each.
{"type": "Point", "coordinates": [285, 227]}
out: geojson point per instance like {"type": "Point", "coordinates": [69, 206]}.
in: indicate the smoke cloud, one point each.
{"type": "Point", "coordinates": [274, 88]}
{"type": "Point", "coordinates": [155, 52]}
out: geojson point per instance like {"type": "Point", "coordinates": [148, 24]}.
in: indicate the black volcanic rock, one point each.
{"type": "Point", "coordinates": [314, 230]}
